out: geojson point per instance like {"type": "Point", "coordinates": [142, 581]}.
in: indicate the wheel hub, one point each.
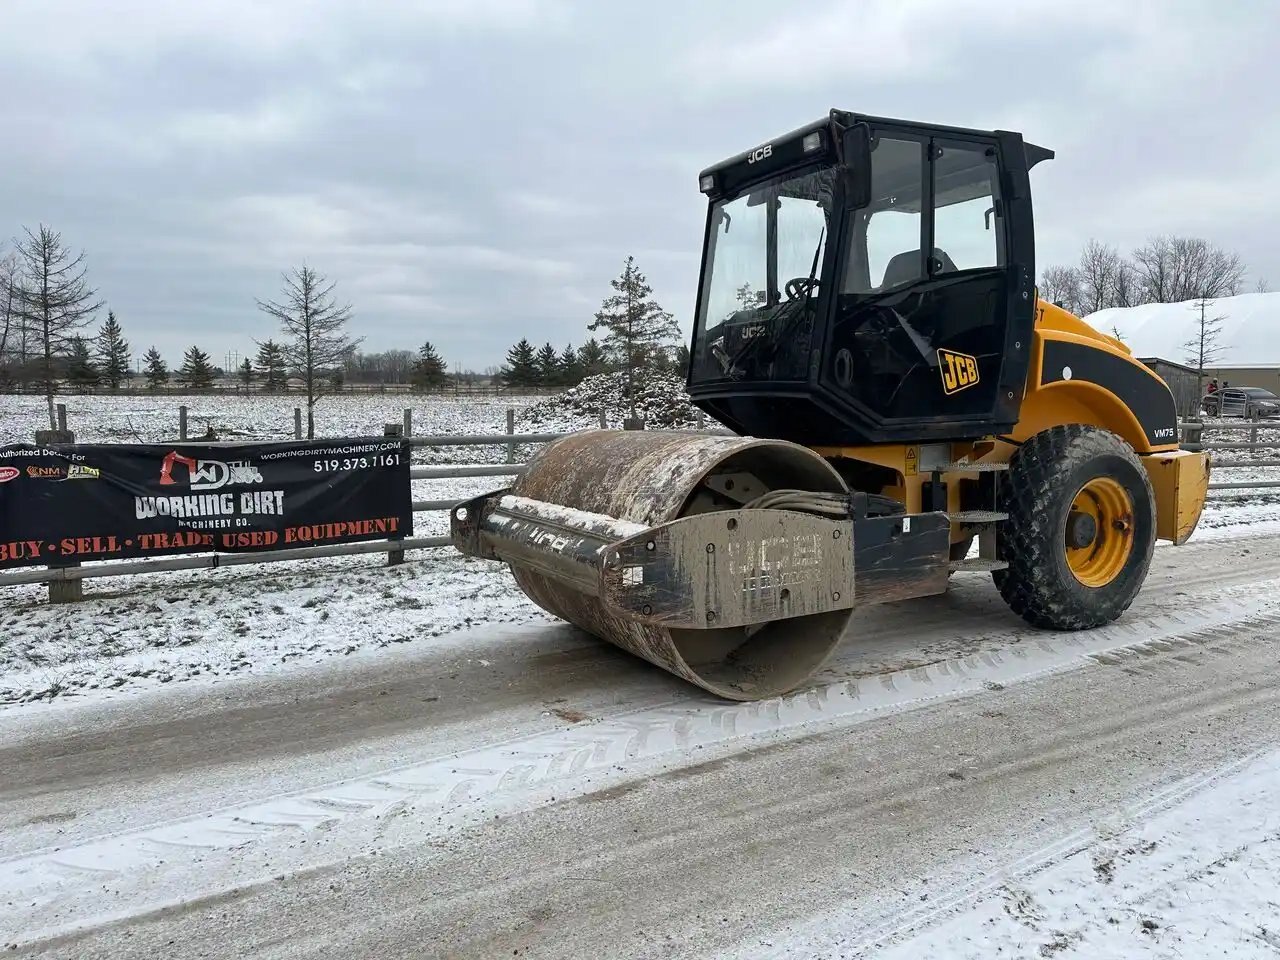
{"type": "Point", "coordinates": [1082, 529]}
{"type": "Point", "coordinates": [1099, 532]}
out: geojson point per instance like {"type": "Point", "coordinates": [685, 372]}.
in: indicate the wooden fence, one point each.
{"type": "Point", "coordinates": [62, 578]}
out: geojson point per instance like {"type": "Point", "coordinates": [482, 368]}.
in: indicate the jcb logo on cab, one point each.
{"type": "Point", "coordinates": [959, 370]}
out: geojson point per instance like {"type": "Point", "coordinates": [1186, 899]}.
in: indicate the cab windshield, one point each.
{"type": "Point", "coordinates": [761, 278]}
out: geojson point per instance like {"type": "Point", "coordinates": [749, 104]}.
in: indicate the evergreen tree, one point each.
{"type": "Point", "coordinates": [197, 371]}
{"type": "Point", "coordinates": [113, 353]}
{"type": "Point", "coordinates": [521, 369]}
{"type": "Point", "coordinates": [81, 372]}
{"type": "Point", "coordinates": [636, 328]}
{"type": "Point", "coordinates": [570, 368]}
{"type": "Point", "coordinates": [429, 370]}
{"type": "Point", "coordinates": [157, 371]}
{"type": "Point", "coordinates": [271, 366]}
{"type": "Point", "coordinates": [246, 372]}
{"type": "Point", "coordinates": [746, 297]}
{"type": "Point", "coordinates": [672, 359]}
{"type": "Point", "coordinates": [548, 362]}
{"type": "Point", "coordinates": [591, 358]}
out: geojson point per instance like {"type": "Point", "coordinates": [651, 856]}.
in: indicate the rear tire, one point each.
{"type": "Point", "coordinates": [1080, 531]}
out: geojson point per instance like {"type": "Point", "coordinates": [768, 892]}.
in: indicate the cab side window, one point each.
{"type": "Point", "coordinates": [885, 240]}
{"type": "Point", "coordinates": [968, 228]}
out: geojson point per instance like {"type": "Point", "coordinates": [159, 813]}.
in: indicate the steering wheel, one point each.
{"type": "Point", "coordinates": [799, 288]}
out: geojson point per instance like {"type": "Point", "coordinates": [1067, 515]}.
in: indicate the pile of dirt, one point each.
{"type": "Point", "coordinates": [661, 401]}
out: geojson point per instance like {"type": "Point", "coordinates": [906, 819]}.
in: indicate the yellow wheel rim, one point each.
{"type": "Point", "coordinates": [1099, 532]}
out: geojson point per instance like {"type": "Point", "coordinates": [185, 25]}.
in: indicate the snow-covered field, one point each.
{"type": "Point", "coordinates": [154, 419]}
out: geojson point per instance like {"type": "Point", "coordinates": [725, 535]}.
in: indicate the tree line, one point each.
{"type": "Point", "coordinates": [639, 338]}
{"type": "Point", "coordinates": [1165, 269]}
{"type": "Point", "coordinates": [47, 307]}
{"type": "Point", "coordinates": [47, 304]}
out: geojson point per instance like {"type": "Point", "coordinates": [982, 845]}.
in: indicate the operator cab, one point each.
{"type": "Point", "coordinates": [867, 280]}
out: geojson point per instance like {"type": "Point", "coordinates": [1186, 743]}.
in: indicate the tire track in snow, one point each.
{"type": "Point", "coordinates": [900, 925]}
{"type": "Point", "coordinates": [592, 756]}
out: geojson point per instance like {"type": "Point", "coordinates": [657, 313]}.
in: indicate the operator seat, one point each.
{"type": "Point", "coordinates": [905, 267]}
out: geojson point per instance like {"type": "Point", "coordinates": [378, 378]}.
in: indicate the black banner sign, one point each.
{"type": "Point", "coordinates": [101, 502]}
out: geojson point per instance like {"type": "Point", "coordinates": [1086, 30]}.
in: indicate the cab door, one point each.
{"type": "Point", "coordinates": [931, 334]}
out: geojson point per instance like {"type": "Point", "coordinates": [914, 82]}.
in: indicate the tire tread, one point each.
{"type": "Point", "coordinates": [1033, 587]}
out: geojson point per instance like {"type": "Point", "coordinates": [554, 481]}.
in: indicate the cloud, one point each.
{"type": "Point", "coordinates": [338, 214]}
{"type": "Point", "coordinates": [472, 171]}
{"type": "Point", "coordinates": [882, 41]}
{"type": "Point", "coordinates": [87, 32]}
{"type": "Point", "coordinates": [269, 122]}
{"type": "Point", "coordinates": [546, 205]}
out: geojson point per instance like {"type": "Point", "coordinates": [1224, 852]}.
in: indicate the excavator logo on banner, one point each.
{"type": "Point", "coordinates": [208, 474]}
{"type": "Point", "coordinates": [959, 371]}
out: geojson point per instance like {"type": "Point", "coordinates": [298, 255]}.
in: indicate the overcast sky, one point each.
{"type": "Point", "coordinates": [473, 171]}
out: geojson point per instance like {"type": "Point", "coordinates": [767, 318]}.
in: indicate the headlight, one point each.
{"type": "Point", "coordinates": [707, 182]}
{"type": "Point", "coordinates": [812, 142]}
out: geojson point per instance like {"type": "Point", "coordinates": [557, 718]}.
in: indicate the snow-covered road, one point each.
{"type": "Point", "coordinates": [954, 785]}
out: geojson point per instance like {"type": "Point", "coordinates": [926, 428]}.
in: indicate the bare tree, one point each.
{"type": "Point", "coordinates": [1262, 286]}
{"type": "Point", "coordinates": [1103, 278]}
{"type": "Point", "coordinates": [1173, 269]}
{"type": "Point", "coordinates": [1204, 348]}
{"type": "Point", "coordinates": [10, 277]}
{"type": "Point", "coordinates": [53, 301]}
{"type": "Point", "coordinates": [1126, 290]}
{"type": "Point", "coordinates": [1061, 285]}
{"type": "Point", "coordinates": [1100, 266]}
{"type": "Point", "coordinates": [315, 325]}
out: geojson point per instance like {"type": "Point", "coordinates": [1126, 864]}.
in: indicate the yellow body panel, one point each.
{"type": "Point", "coordinates": [1179, 478]}
{"type": "Point", "coordinates": [1046, 405]}
{"type": "Point", "coordinates": [1052, 318]}
{"type": "Point", "coordinates": [1181, 481]}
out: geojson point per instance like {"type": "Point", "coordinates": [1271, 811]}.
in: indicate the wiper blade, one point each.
{"type": "Point", "coordinates": [775, 331]}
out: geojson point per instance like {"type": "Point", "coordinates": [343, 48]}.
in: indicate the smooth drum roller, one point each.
{"type": "Point", "coordinates": [591, 489]}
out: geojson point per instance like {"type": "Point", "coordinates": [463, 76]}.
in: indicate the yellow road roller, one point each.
{"type": "Point", "coordinates": [869, 332]}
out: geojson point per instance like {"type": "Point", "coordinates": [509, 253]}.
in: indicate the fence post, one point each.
{"type": "Point", "coordinates": [297, 423]}
{"type": "Point", "coordinates": [66, 591]}
{"type": "Point", "coordinates": [61, 591]}
{"type": "Point", "coordinates": [604, 421]}
{"type": "Point", "coordinates": [511, 429]}
{"type": "Point", "coordinates": [701, 419]}
{"type": "Point", "coordinates": [182, 423]}
{"type": "Point", "coordinates": [408, 421]}
{"type": "Point", "coordinates": [395, 552]}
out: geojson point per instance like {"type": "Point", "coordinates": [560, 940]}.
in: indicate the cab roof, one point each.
{"type": "Point", "coordinates": [839, 119]}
